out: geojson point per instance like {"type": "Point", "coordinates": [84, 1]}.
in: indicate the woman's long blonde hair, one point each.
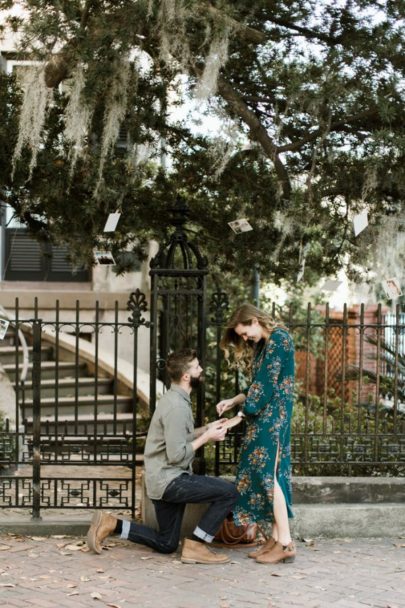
{"type": "Point", "coordinates": [242, 351]}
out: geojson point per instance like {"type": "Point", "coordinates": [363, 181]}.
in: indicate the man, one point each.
{"type": "Point", "coordinates": [169, 451]}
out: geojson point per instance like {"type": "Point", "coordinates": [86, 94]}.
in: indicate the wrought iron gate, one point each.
{"type": "Point", "coordinates": [71, 439]}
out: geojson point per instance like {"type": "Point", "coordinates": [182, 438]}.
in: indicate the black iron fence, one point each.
{"type": "Point", "coordinates": [70, 438]}
{"type": "Point", "coordinates": [349, 413]}
{"type": "Point", "coordinates": [73, 435]}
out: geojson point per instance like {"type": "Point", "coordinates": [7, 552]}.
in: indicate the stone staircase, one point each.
{"type": "Point", "coordinates": [79, 411]}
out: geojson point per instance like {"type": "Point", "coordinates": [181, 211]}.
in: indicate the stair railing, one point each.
{"type": "Point", "coordinates": [21, 377]}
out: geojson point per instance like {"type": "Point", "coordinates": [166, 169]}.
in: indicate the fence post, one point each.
{"type": "Point", "coordinates": [36, 418]}
{"type": "Point", "coordinates": [137, 305]}
{"type": "Point", "coordinates": [218, 306]}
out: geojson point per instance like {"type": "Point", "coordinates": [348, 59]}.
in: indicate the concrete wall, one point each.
{"type": "Point", "coordinates": [332, 507]}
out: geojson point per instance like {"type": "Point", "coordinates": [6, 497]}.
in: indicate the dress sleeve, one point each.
{"type": "Point", "coordinates": [279, 349]}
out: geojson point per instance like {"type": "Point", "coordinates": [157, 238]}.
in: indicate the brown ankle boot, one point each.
{"type": "Point", "coordinates": [268, 545]}
{"type": "Point", "coordinates": [194, 552]}
{"type": "Point", "coordinates": [102, 525]}
{"type": "Point", "coordinates": [279, 553]}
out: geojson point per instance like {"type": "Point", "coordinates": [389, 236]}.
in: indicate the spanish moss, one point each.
{"type": "Point", "coordinates": [36, 98]}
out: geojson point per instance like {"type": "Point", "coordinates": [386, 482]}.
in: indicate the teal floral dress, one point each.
{"type": "Point", "coordinates": [268, 409]}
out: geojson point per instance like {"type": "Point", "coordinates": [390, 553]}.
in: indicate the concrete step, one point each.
{"type": "Point", "coordinates": [8, 354]}
{"type": "Point", "coordinates": [67, 387]}
{"type": "Point", "coordinates": [84, 424]}
{"type": "Point", "coordinates": [85, 405]}
{"type": "Point", "coordinates": [9, 339]}
{"type": "Point", "coordinates": [48, 370]}
{"type": "Point", "coordinates": [73, 448]}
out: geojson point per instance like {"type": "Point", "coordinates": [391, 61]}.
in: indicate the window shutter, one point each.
{"type": "Point", "coordinates": [26, 259]}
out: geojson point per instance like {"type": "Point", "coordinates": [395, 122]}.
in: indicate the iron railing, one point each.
{"type": "Point", "coordinates": [81, 414]}
{"type": "Point", "coordinates": [349, 413]}
{"type": "Point", "coordinates": [73, 439]}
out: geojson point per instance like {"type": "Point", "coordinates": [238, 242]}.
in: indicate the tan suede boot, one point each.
{"type": "Point", "coordinates": [102, 525]}
{"type": "Point", "coordinates": [194, 552]}
{"type": "Point", "coordinates": [268, 545]}
{"type": "Point", "coordinates": [278, 553]}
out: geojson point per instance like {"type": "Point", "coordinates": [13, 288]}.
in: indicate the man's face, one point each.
{"type": "Point", "coordinates": [196, 373]}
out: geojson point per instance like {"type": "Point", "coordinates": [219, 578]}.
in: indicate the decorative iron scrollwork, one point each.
{"type": "Point", "coordinates": [74, 492]}
{"type": "Point", "coordinates": [178, 253]}
{"type": "Point", "coordinates": [219, 306]}
{"type": "Point", "coordinates": [137, 304]}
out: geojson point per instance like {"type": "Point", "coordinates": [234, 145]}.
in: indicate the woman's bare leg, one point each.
{"type": "Point", "coordinates": [281, 516]}
{"type": "Point", "coordinates": [280, 511]}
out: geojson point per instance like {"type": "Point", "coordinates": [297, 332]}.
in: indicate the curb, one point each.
{"type": "Point", "coordinates": [343, 520]}
{"type": "Point", "coordinates": [46, 526]}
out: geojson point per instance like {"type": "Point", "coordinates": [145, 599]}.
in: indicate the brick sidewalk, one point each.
{"type": "Point", "coordinates": [59, 572]}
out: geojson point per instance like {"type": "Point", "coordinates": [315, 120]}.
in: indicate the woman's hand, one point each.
{"type": "Point", "coordinates": [225, 405]}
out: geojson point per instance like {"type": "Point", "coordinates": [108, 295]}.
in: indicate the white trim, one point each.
{"type": "Point", "coordinates": [208, 538]}
{"type": "Point", "coordinates": [126, 525]}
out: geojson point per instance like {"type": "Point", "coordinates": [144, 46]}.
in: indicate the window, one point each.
{"type": "Point", "coordinates": [26, 259]}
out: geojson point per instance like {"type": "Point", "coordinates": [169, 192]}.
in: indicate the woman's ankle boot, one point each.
{"type": "Point", "coordinates": [279, 553]}
{"type": "Point", "coordinates": [268, 545]}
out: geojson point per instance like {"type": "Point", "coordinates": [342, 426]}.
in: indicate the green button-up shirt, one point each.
{"type": "Point", "coordinates": [168, 450]}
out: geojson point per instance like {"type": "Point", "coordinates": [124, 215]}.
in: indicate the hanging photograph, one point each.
{"type": "Point", "coordinates": [241, 225]}
{"type": "Point", "coordinates": [392, 288]}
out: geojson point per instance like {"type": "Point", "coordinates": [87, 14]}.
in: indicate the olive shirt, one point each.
{"type": "Point", "coordinates": [168, 449]}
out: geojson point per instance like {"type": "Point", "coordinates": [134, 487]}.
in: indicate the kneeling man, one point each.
{"type": "Point", "coordinates": [169, 452]}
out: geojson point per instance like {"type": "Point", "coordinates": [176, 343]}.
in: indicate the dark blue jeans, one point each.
{"type": "Point", "coordinates": [221, 495]}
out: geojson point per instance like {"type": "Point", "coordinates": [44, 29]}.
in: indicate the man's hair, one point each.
{"type": "Point", "coordinates": [178, 363]}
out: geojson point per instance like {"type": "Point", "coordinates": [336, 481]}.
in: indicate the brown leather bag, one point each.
{"type": "Point", "coordinates": [231, 534]}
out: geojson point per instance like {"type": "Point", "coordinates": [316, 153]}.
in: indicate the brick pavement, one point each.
{"type": "Point", "coordinates": [58, 572]}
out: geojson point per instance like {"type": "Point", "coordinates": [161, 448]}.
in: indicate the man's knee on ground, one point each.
{"type": "Point", "coordinates": [168, 547]}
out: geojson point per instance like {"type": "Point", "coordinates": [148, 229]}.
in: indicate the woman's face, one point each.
{"type": "Point", "coordinates": [253, 332]}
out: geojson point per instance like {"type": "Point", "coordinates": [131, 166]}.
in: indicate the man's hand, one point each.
{"type": "Point", "coordinates": [213, 431]}
{"type": "Point", "coordinates": [216, 422]}
{"type": "Point", "coordinates": [216, 431]}
{"type": "Point", "coordinates": [231, 422]}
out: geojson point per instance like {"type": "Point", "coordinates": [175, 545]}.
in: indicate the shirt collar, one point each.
{"type": "Point", "coordinates": [177, 389]}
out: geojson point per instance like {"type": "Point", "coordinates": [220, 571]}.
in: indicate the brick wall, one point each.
{"type": "Point", "coordinates": [343, 346]}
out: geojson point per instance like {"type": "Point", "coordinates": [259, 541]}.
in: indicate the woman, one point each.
{"type": "Point", "coordinates": [264, 476]}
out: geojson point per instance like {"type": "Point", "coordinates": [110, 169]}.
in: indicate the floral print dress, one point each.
{"type": "Point", "coordinates": [268, 409]}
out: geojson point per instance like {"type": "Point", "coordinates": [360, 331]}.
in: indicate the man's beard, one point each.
{"type": "Point", "coordinates": [195, 381]}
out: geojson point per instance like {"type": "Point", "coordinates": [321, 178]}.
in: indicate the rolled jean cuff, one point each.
{"type": "Point", "coordinates": [208, 538]}
{"type": "Point", "coordinates": [125, 529]}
